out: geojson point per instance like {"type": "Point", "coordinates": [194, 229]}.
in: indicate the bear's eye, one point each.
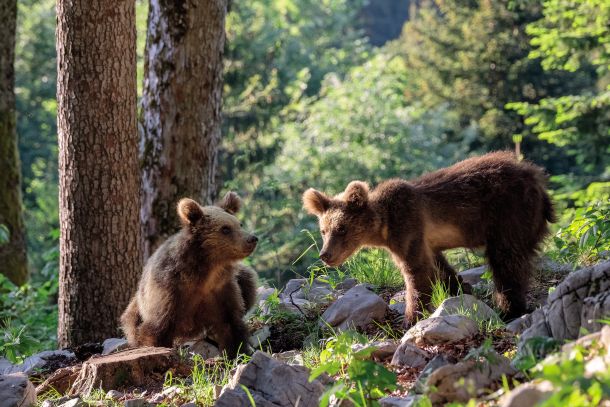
{"type": "Point", "coordinates": [323, 232]}
{"type": "Point", "coordinates": [241, 224]}
{"type": "Point", "coordinates": [225, 230]}
{"type": "Point", "coordinates": [340, 230]}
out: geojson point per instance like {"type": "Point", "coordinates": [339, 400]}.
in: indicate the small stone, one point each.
{"type": "Point", "coordinates": [356, 309]}
{"type": "Point", "coordinates": [409, 355]}
{"type": "Point", "coordinates": [436, 363]}
{"type": "Point", "coordinates": [409, 401]}
{"type": "Point", "coordinates": [473, 276]}
{"type": "Point", "coordinates": [262, 293]}
{"type": "Point", "coordinates": [39, 361]}
{"type": "Point", "coordinates": [114, 395]}
{"type": "Point", "coordinates": [466, 305]}
{"type": "Point", "coordinates": [191, 404]}
{"type": "Point", "coordinates": [441, 330]}
{"type": "Point", "coordinates": [16, 390]}
{"type": "Point", "coordinates": [347, 284]}
{"type": "Point", "coordinates": [136, 403]}
{"type": "Point", "coordinates": [259, 337]}
{"type": "Point", "coordinates": [204, 348]}
{"type": "Point", "coordinates": [399, 307]}
{"type": "Point", "coordinates": [112, 345]}
{"type": "Point", "coordinates": [518, 325]}
{"type": "Point", "coordinates": [528, 394]}
{"type": "Point", "coordinates": [75, 402]}
{"type": "Point", "coordinates": [292, 357]}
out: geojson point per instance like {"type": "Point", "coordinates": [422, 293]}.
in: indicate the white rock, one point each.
{"type": "Point", "coordinates": [436, 363]}
{"type": "Point", "coordinates": [466, 305]}
{"type": "Point", "coordinates": [399, 307]}
{"type": "Point", "coordinates": [114, 395]}
{"type": "Point", "coordinates": [356, 309]}
{"type": "Point", "coordinates": [473, 276]}
{"type": "Point", "coordinates": [518, 325]}
{"type": "Point", "coordinates": [114, 345]}
{"type": "Point", "coordinates": [262, 293]}
{"type": "Point", "coordinates": [38, 361]}
{"type": "Point", "coordinates": [258, 338]}
{"type": "Point", "coordinates": [292, 357]}
{"type": "Point", "coordinates": [441, 330]}
{"type": "Point", "coordinates": [528, 394]}
{"type": "Point", "coordinates": [467, 379]}
{"type": "Point", "coordinates": [16, 390]}
{"type": "Point", "coordinates": [347, 284]}
{"type": "Point", "coordinates": [410, 355]}
{"type": "Point", "coordinates": [318, 292]}
{"type": "Point", "coordinates": [204, 348]}
{"type": "Point", "coordinates": [409, 401]}
{"type": "Point", "coordinates": [272, 383]}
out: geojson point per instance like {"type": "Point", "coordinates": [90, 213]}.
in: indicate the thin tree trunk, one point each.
{"type": "Point", "coordinates": [100, 258]}
{"type": "Point", "coordinates": [13, 259]}
{"type": "Point", "coordinates": [180, 111]}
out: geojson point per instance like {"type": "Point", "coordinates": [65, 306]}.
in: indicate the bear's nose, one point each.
{"type": "Point", "coordinates": [252, 239]}
{"type": "Point", "coordinates": [325, 256]}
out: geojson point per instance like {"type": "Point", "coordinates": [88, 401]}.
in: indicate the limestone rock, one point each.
{"type": "Point", "coordinates": [292, 357]}
{"type": "Point", "coordinates": [468, 305]}
{"type": "Point", "coordinates": [441, 330]}
{"type": "Point", "coordinates": [356, 309]}
{"type": "Point", "coordinates": [436, 363]}
{"type": "Point", "coordinates": [203, 348]}
{"type": "Point", "coordinates": [114, 345]}
{"type": "Point", "coordinates": [473, 276]}
{"type": "Point", "coordinates": [573, 305]}
{"type": "Point", "coordinates": [259, 337]}
{"type": "Point", "coordinates": [399, 307]}
{"type": "Point", "coordinates": [528, 394]}
{"type": "Point", "coordinates": [347, 284]}
{"type": "Point", "coordinates": [16, 390]}
{"type": "Point", "coordinates": [39, 361]}
{"type": "Point", "coordinates": [409, 401]}
{"type": "Point", "coordinates": [410, 355]}
{"type": "Point", "coordinates": [467, 379]}
{"type": "Point", "coordinates": [319, 292]}
{"type": "Point", "coordinates": [272, 383]}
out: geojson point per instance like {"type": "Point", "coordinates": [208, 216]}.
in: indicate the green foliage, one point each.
{"type": "Point", "coordinates": [586, 238]}
{"type": "Point", "coordinates": [360, 380]}
{"type": "Point", "coordinates": [473, 56]}
{"type": "Point", "coordinates": [28, 318]}
{"type": "Point", "coordinates": [375, 267]}
{"type": "Point", "coordinates": [573, 36]}
{"type": "Point", "coordinates": [533, 350]}
{"type": "Point", "coordinates": [574, 386]}
{"type": "Point", "coordinates": [360, 127]}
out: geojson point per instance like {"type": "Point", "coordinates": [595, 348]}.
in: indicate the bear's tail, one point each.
{"type": "Point", "coordinates": [130, 321]}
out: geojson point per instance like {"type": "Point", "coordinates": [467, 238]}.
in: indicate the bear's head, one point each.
{"type": "Point", "coordinates": [217, 229]}
{"type": "Point", "coordinates": [345, 220]}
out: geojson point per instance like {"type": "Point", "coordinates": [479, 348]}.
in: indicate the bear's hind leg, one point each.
{"type": "Point", "coordinates": [511, 272]}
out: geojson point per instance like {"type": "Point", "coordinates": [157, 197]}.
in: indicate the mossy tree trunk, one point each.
{"type": "Point", "coordinates": [13, 259]}
{"type": "Point", "coordinates": [100, 251]}
{"type": "Point", "coordinates": [180, 111]}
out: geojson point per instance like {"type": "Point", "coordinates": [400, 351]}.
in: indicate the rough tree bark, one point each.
{"type": "Point", "coordinates": [100, 251]}
{"type": "Point", "coordinates": [13, 259]}
{"type": "Point", "coordinates": [180, 112]}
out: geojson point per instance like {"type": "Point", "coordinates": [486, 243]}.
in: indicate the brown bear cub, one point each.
{"type": "Point", "coordinates": [492, 201]}
{"type": "Point", "coordinates": [194, 283]}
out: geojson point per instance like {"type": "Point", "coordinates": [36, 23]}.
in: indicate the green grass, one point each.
{"type": "Point", "coordinates": [374, 266]}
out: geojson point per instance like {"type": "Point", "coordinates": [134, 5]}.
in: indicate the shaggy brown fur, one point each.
{"type": "Point", "coordinates": [492, 201]}
{"type": "Point", "coordinates": [195, 283]}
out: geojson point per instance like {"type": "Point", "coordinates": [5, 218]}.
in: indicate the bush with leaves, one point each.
{"type": "Point", "coordinates": [359, 379]}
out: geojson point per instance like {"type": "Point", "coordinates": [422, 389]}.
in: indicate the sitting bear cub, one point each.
{"type": "Point", "coordinates": [492, 201]}
{"type": "Point", "coordinates": [194, 282]}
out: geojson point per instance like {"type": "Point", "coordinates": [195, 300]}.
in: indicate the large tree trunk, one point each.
{"type": "Point", "coordinates": [180, 112]}
{"type": "Point", "coordinates": [13, 259]}
{"type": "Point", "coordinates": [98, 166]}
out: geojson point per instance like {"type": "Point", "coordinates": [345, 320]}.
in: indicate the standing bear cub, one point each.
{"type": "Point", "coordinates": [492, 201]}
{"type": "Point", "coordinates": [194, 282]}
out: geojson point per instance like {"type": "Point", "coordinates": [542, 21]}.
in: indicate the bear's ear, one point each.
{"type": "Point", "coordinates": [356, 194]}
{"type": "Point", "coordinates": [189, 211]}
{"type": "Point", "coordinates": [315, 202]}
{"type": "Point", "coordinates": [231, 203]}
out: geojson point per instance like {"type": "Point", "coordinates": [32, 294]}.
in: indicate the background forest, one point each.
{"type": "Point", "coordinates": [317, 93]}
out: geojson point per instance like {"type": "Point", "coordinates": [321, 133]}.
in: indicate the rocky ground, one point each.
{"type": "Point", "coordinates": [460, 352]}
